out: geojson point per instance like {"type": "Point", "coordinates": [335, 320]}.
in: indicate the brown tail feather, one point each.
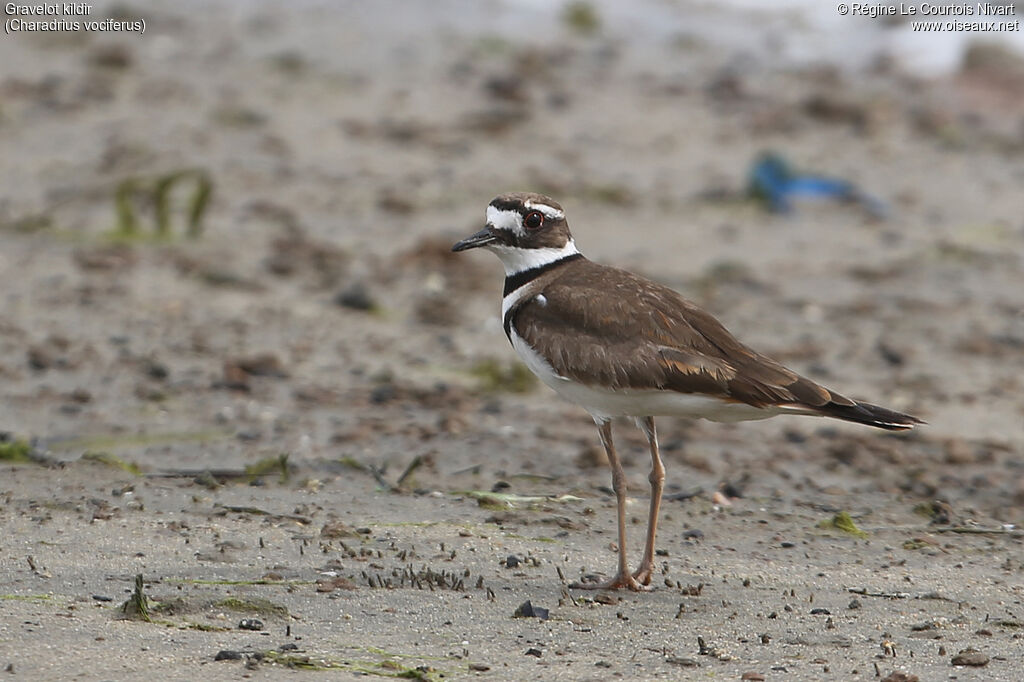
{"type": "Point", "coordinates": [872, 415]}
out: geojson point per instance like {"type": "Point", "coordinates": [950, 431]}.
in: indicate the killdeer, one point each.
{"type": "Point", "coordinates": [620, 345]}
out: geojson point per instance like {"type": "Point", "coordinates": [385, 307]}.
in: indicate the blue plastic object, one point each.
{"type": "Point", "coordinates": [774, 181]}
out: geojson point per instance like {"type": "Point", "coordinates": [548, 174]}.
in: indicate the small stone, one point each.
{"type": "Point", "coordinates": [511, 561]}
{"type": "Point", "coordinates": [235, 378]}
{"type": "Point", "coordinates": [820, 612]}
{"type": "Point", "coordinates": [603, 664]}
{"type": "Point", "coordinates": [591, 457]}
{"type": "Point", "coordinates": [693, 534]}
{"type": "Point", "coordinates": [254, 624]}
{"type": "Point", "coordinates": [333, 530]}
{"type": "Point", "coordinates": [854, 604]}
{"type": "Point", "coordinates": [684, 662]}
{"type": "Point", "coordinates": [41, 358]}
{"type": "Point", "coordinates": [383, 394]}
{"type": "Point", "coordinates": [111, 57]}
{"type": "Point", "coordinates": [356, 297]}
{"type": "Point", "coordinates": [900, 676]}
{"type": "Point", "coordinates": [325, 585]}
{"type": "Point", "coordinates": [528, 610]}
{"type": "Point", "coordinates": [155, 369]}
{"type": "Point", "coordinates": [754, 677]}
{"type": "Point", "coordinates": [80, 395]}
{"type": "Point", "coordinates": [479, 667]}
{"type": "Point", "coordinates": [261, 365]}
{"type": "Point", "coordinates": [228, 655]}
{"type": "Point", "coordinates": [794, 436]}
{"type": "Point", "coordinates": [971, 657]}
{"type": "Point", "coordinates": [534, 652]}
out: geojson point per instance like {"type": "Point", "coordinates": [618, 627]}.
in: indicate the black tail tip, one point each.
{"type": "Point", "coordinates": [872, 415]}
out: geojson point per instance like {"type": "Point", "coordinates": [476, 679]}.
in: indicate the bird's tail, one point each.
{"type": "Point", "coordinates": [872, 415]}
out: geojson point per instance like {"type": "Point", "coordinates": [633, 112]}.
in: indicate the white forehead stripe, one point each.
{"type": "Point", "coordinates": [505, 220]}
{"type": "Point", "coordinates": [548, 211]}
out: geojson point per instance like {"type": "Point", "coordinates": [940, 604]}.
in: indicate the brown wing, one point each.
{"type": "Point", "coordinates": [629, 333]}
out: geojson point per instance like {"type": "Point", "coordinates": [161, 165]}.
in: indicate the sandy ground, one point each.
{"type": "Point", "coordinates": [319, 316]}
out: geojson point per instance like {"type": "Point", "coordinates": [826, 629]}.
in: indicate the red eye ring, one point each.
{"type": "Point", "coordinates": [533, 220]}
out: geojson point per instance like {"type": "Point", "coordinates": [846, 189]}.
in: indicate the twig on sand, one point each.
{"type": "Point", "coordinates": [378, 474]}
{"type": "Point", "coordinates": [972, 530]}
{"type": "Point", "coordinates": [415, 464]}
{"type": "Point", "coordinates": [684, 495]}
{"type": "Point", "coordinates": [863, 591]}
{"type": "Point", "coordinates": [304, 520]}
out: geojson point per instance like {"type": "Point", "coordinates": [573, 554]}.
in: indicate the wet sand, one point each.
{"type": "Point", "coordinates": [320, 316]}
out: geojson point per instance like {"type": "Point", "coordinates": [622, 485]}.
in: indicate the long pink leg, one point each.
{"type": "Point", "coordinates": [622, 577]}
{"type": "Point", "coordinates": [657, 479]}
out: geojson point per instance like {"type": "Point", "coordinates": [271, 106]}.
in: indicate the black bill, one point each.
{"type": "Point", "coordinates": [481, 238]}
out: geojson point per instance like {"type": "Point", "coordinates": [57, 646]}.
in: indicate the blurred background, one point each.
{"type": "Point", "coordinates": [226, 239]}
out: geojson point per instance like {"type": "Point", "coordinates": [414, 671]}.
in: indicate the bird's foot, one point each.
{"type": "Point", "coordinates": [643, 574]}
{"type": "Point", "coordinates": [622, 580]}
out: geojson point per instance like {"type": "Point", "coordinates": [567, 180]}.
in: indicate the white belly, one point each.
{"type": "Point", "coordinates": [604, 403]}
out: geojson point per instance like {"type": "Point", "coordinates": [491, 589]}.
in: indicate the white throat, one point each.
{"type": "Point", "coordinates": [517, 259]}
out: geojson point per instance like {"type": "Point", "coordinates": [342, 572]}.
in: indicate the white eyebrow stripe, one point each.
{"type": "Point", "coordinates": [505, 220]}
{"type": "Point", "coordinates": [548, 211]}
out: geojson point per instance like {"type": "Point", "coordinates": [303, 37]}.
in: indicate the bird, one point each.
{"type": "Point", "coordinates": [620, 345]}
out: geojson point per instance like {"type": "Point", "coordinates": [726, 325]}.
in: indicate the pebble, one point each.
{"type": "Point", "coordinates": [261, 365]}
{"type": "Point", "coordinates": [900, 676]}
{"type": "Point", "coordinates": [333, 530]}
{"type": "Point", "coordinates": [534, 652]}
{"type": "Point", "coordinates": [382, 394]}
{"type": "Point", "coordinates": [228, 655]}
{"type": "Point", "coordinates": [971, 657]}
{"type": "Point", "coordinates": [254, 624]}
{"type": "Point", "coordinates": [528, 610]}
{"type": "Point", "coordinates": [155, 369]}
{"type": "Point", "coordinates": [40, 358]}
{"type": "Point", "coordinates": [356, 297]}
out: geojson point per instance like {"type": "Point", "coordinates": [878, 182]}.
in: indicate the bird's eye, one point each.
{"type": "Point", "coordinates": [533, 220]}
